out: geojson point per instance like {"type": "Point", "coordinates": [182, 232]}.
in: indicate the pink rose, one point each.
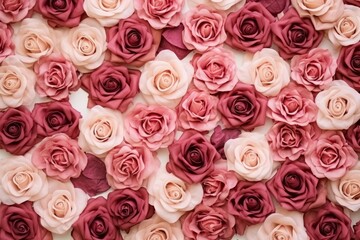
{"type": "Point", "coordinates": [222, 5]}
{"type": "Point", "coordinates": [331, 156]}
{"type": "Point", "coordinates": [60, 157]}
{"type": "Point", "coordinates": [275, 7]}
{"type": "Point", "coordinates": [352, 136]}
{"type": "Point", "coordinates": [7, 46]}
{"type": "Point", "coordinates": [203, 28]}
{"type": "Point", "coordinates": [220, 136]}
{"type": "Point", "coordinates": [314, 70]}
{"type": "Point", "coordinates": [15, 11]}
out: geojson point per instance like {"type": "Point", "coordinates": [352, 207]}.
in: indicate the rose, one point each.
{"type": "Point", "coordinates": [208, 223]}
{"type": "Point", "coordinates": [203, 28]}
{"type": "Point", "coordinates": [293, 105]}
{"type": "Point", "coordinates": [7, 46]}
{"type": "Point", "coordinates": [95, 222]}
{"type": "Point", "coordinates": [108, 13]}
{"type": "Point", "coordinates": [275, 7]}
{"type": "Point", "coordinates": [21, 222]}
{"type": "Point", "coordinates": [198, 110]}
{"type": "Point", "coordinates": [152, 126]}
{"type": "Point", "coordinates": [61, 207]}
{"type": "Point", "coordinates": [248, 29]}
{"type": "Point", "coordinates": [327, 222]}
{"type": "Point", "coordinates": [17, 130]}
{"type": "Point", "coordinates": [267, 71]}
{"type": "Point", "coordinates": [294, 35]}
{"type": "Point", "coordinates": [331, 156]}
{"type": "Point", "coordinates": [171, 197]}
{"type": "Point", "coordinates": [21, 181]}
{"type": "Point", "coordinates": [222, 5]}
{"type": "Point", "coordinates": [15, 11]}
{"type": "Point", "coordinates": [220, 136]}
{"type": "Point", "coordinates": [132, 41]}
{"type": "Point", "coordinates": [296, 188]}
{"type": "Point", "coordinates": [101, 130]}
{"type": "Point", "coordinates": [338, 106]}
{"type": "Point", "coordinates": [129, 166]}
{"type": "Point", "coordinates": [352, 2]}
{"type": "Point", "coordinates": [85, 45]}
{"type": "Point", "coordinates": [165, 80]}
{"type": "Point", "coordinates": [356, 228]}
{"type": "Point", "coordinates": [16, 84]}
{"type": "Point", "coordinates": [191, 157]}
{"type": "Point", "coordinates": [242, 107]}
{"type": "Point", "coordinates": [215, 71]}
{"type": "Point", "coordinates": [61, 13]}
{"type": "Point", "coordinates": [111, 86]}
{"type": "Point", "coordinates": [128, 207]}
{"type": "Point", "coordinates": [352, 136]}
{"type": "Point", "coordinates": [249, 156]}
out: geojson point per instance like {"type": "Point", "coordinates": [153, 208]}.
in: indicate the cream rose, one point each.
{"type": "Point", "coordinates": [85, 45]}
{"type": "Point", "coordinates": [165, 80]}
{"type": "Point", "coordinates": [339, 106]}
{"type": "Point", "coordinates": [267, 71]}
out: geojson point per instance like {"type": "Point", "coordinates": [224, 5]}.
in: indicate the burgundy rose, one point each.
{"type": "Point", "coordinates": [243, 107]}
{"type": "Point", "coordinates": [352, 2]}
{"type": "Point", "coordinates": [352, 136]}
{"type": "Point", "coordinates": [294, 35]}
{"type": "Point", "coordinates": [95, 222]}
{"type": "Point", "coordinates": [17, 130]}
{"type": "Point", "coordinates": [128, 207]}
{"type": "Point", "coordinates": [220, 137]}
{"type": "Point", "coordinates": [56, 117]}
{"type": "Point", "coordinates": [6, 45]}
{"type": "Point", "coordinates": [192, 157]}
{"type": "Point", "coordinates": [274, 6]}
{"type": "Point", "coordinates": [356, 228]}
{"type": "Point", "coordinates": [20, 221]}
{"type": "Point", "coordinates": [248, 29]}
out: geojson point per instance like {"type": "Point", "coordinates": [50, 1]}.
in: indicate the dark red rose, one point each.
{"type": "Point", "coordinates": [220, 137]}
{"type": "Point", "coordinates": [356, 228]}
{"type": "Point", "coordinates": [352, 2]}
{"type": "Point", "coordinates": [352, 136]}
{"type": "Point", "coordinates": [274, 6]}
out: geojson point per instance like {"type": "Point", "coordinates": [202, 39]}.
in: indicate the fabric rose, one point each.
{"type": "Point", "coordinates": [132, 41]}
{"type": "Point", "coordinates": [15, 11]}
{"type": "Point", "coordinates": [152, 126]}
{"type": "Point", "coordinates": [296, 188]}
{"type": "Point", "coordinates": [249, 156]}
{"type": "Point", "coordinates": [314, 70]}
{"type": "Point", "coordinates": [61, 13]}
{"type": "Point", "coordinates": [203, 28]}
{"type": "Point", "coordinates": [295, 35]}
{"type": "Point", "coordinates": [220, 136]}
{"type": "Point", "coordinates": [60, 157]}
{"type": "Point", "coordinates": [215, 71]}
{"type": "Point", "coordinates": [168, 13]}
{"type": "Point", "coordinates": [61, 207]}
{"type": "Point", "coordinates": [108, 13]}
{"type": "Point", "coordinates": [250, 203]}
{"type": "Point", "coordinates": [17, 130]}
{"type": "Point", "coordinates": [275, 7]}
{"type": "Point", "coordinates": [172, 197]}
{"type": "Point", "coordinates": [323, 14]}
{"type": "Point", "coordinates": [243, 107]}
{"type": "Point", "coordinates": [327, 222]}
{"type": "Point", "coordinates": [101, 130]}
{"type": "Point", "coordinates": [248, 29]}
{"type": "Point", "coordinates": [222, 5]}
{"type": "Point", "coordinates": [352, 2]}
{"type": "Point", "coordinates": [208, 223]}
{"type": "Point", "coordinates": [21, 222]}
{"type": "Point", "coordinates": [95, 222]}
{"type": "Point", "coordinates": [128, 207]}
{"type": "Point", "coordinates": [267, 71]}
{"type": "Point", "coordinates": [111, 86]}
{"type": "Point", "coordinates": [339, 106]}
{"type": "Point", "coordinates": [165, 80]}
{"type": "Point", "coordinates": [198, 110]}
{"type": "Point", "coordinates": [128, 166]}
{"type": "Point", "coordinates": [356, 228]}
{"type": "Point", "coordinates": [293, 105]}
{"type": "Point", "coordinates": [352, 136]}
{"type": "Point", "coordinates": [7, 46]}
{"type": "Point", "coordinates": [192, 157]}
{"type": "Point", "coordinates": [21, 181]}
{"type": "Point", "coordinates": [331, 156]}
{"type": "Point", "coordinates": [17, 84]}
{"type": "Point", "coordinates": [85, 45]}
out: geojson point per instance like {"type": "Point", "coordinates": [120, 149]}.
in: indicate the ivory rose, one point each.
{"type": "Point", "coordinates": [7, 46]}
{"type": "Point", "coordinates": [15, 11]}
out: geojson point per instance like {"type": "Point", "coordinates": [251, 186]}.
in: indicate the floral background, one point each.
{"type": "Point", "coordinates": [173, 119]}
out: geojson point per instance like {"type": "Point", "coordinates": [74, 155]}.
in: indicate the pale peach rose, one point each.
{"type": "Point", "coordinates": [172, 197]}
{"type": "Point", "coordinates": [165, 80]}
{"type": "Point", "coordinates": [109, 12]}
{"type": "Point", "coordinates": [347, 29]}
{"type": "Point", "coordinates": [339, 106]}
{"type": "Point", "coordinates": [221, 4]}
{"type": "Point", "coordinates": [249, 156]}
{"type": "Point", "coordinates": [61, 207]}
{"type": "Point", "coordinates": [101, 130]}
{"type": "Point", "coordinates": [85, 45]}
{"type": "Point", "coordinates": [17, 83]}
{"type": "Point", "coordinates": [267, 71]}
{"type": "Point", "coordinates": [21, 181]}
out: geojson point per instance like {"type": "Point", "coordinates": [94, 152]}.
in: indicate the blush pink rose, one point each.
{"type": "Point", "coordinates": [7, 46]}
{"type": "Point", "coordinates": [15, 11]}
{"type": "Point", "coordinates": [352, 136]}
{"type": "Point", "coordinates": [221, 5]}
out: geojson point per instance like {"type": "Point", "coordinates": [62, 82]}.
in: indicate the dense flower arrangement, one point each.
{"type": "Point", "coordinates": [202, 119]}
